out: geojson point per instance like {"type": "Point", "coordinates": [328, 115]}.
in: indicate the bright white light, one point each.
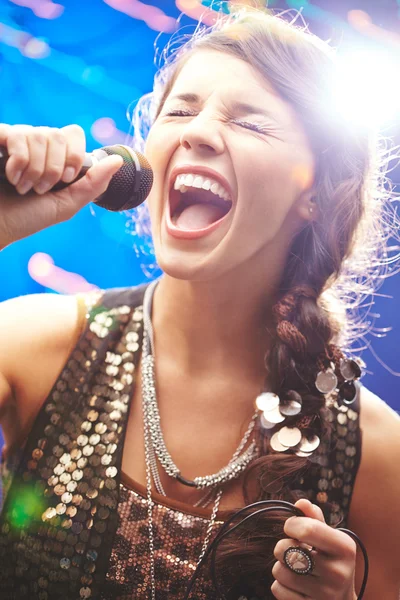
{"type": "Point", "coordinates": [367, 90]}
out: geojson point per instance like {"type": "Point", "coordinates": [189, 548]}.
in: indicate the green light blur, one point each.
{"type": "Point", "coordinates": [25, 505]}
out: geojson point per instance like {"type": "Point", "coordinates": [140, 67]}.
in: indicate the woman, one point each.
{"type": "Point", "coordinates": [237, 348]}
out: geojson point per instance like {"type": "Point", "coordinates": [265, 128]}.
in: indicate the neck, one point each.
{"type": "Point", "coordinates": [213, 326]}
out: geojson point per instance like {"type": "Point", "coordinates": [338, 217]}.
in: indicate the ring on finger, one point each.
{"type": "Point", "coordinates": [298, 560]}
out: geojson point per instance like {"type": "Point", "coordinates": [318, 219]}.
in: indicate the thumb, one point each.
{"type": "Point", "coordinates": [310, 510]}
{"type": "Point", "coordinates": [88, 188]}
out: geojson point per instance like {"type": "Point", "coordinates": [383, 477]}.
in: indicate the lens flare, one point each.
{"type": "Point", "coordinates": [366, 90]}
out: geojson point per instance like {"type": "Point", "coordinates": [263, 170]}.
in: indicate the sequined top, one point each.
{"type": "Point", "coordinates": [73, 526]}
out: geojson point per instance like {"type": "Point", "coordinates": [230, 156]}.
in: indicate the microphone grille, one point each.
{"type": "Point", "coordinates": [131, 184]}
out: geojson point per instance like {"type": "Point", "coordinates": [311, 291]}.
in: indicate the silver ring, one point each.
{"type": "Point", "coordinates": [298, 560]}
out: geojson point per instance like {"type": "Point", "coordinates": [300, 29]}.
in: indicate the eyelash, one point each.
{"type": "Point", "coordinates": [246, 124]}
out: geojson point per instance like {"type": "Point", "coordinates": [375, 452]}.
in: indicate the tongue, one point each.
{"type": "Point", "coordinates": [198, 216]}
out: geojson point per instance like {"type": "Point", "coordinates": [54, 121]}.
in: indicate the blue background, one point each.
{"type": "Point", "coordinates": [99, 61]}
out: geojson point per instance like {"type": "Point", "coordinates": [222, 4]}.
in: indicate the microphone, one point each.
{"type": "Point", "coordinates": [128, 188]}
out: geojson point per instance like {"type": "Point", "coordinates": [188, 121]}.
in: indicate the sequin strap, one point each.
{"type": "Point", "coordinates": [329, 482]}
{"type": "Point", "coordinates": [60, 514]}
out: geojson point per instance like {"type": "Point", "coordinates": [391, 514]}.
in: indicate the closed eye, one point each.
{"type": "Point", "coordinates": [179, 113]}
{"type": "Point", "coordinates": [245, 124]}
{"type": "Point", "coordinates": [252, 126]}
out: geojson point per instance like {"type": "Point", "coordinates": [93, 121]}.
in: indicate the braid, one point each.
{"type": "Point", "coordinates": [302, 347]}
{"type": "Point", "coordinates": [302, 343]}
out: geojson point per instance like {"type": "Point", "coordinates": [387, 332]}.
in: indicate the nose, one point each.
{"type": "Point", "coordinates": [202, 134]}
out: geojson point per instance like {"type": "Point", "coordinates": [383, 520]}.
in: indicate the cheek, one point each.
{"type": "Point", "coordinates": [155, 148]}
{"type": "Point", "coordinates": [277, 176]}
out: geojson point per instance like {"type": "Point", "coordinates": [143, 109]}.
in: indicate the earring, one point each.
{"type": "Point", "coordinates": [311, 209]}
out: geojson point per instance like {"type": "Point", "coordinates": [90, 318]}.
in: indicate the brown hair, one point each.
{"type": "Point", "coordinates": [333, 264]}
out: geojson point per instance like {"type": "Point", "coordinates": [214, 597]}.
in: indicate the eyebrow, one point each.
{"type": "Point", "coordinates": [239, 107]}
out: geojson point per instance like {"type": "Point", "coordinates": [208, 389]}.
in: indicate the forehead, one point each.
{"type": "Point", "coordinates": [209, 70]}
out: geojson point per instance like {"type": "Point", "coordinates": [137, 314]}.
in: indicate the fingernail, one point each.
{"type": "Point", "coordinates": [69, 174]}
{"type": "Point", "coordinates": [16, 177]}
{"type": "Point", "coordinates": [24, 187]}
{"type": "Point", "coordinates": [42, 187]}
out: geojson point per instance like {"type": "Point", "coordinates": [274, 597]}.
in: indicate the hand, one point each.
{"type": "Point", "coordinates": [40, 157]}
{"type": "Point", "coordinates": [334, 559]}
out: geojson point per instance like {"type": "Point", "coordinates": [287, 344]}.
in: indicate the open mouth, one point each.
{"type": "Point", "coordinates": [196, 208]}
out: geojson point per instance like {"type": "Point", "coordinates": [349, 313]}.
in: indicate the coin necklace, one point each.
{"type": "Point", "coordinates": [155, 445]}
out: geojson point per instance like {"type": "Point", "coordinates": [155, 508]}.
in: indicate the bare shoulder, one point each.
{"type": "Point", "coordinates": [39, 330]}
{"type": "Point", "coordinates": [373, 512]}
{"type": "Point", "coordinates": [378, 477]}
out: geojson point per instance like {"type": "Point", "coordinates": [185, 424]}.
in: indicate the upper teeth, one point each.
{"type": "Point", "coordinates": [186, 180]}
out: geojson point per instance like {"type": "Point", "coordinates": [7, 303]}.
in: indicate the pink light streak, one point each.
{"type": "Point", "coordinates": [42, 269]}
{"type": "Point", "coordinates": [196, 10]}
{"type": "Point", "coordinates": [154, 17]}
{"type": "Point", "coordinates": [106, 132]}
{"type": "Point", "coordinates": [362, 22]}
{"type": "Point", "coordinates": [44, 9]}
{"type": "Point", "coordinates": [24, 42]}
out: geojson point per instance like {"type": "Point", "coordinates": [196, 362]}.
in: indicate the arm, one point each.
{"type": "Point", "coordinates": [374, 514]}
{"type": "Point", "coordinates": [37, 332]}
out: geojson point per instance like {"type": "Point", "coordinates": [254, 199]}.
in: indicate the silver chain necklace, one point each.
{"type": "Point", "coordinates": [154, 443]}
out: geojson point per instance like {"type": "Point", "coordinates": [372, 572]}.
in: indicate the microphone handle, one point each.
{"type": "Point", "coordinates": [90, 159]}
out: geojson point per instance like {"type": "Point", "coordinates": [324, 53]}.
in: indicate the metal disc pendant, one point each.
{"type": "Point", "coordinates": [303, 454]}
{"type": "Point", "coordinates": [275, 443]}
{"type": "Point", "coordinates": [266, 424]}
{"type": "Point", "coordinates": [291, 405]}
{"type": "Point", "coordinates": [348, 392]}
{"type": "Point", "coordinates": [274, 416]}
{"type": "Point", "coordinates": [350, 369]}
{"type": "Point", "coordinates": [267, 401]}
{"type": "Point", "coordinates": [326, 381]}
{"type": "Point", "coordinates": [309, 443]}
{"type": "Point", "coordinates": [289, 436]}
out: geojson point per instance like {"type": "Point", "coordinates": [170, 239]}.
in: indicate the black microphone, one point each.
{"type": "Point", "coordinates": [128, 188]}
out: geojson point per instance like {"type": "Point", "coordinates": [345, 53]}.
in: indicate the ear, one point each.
{"type": "Point", "coordinates": [307, 208]}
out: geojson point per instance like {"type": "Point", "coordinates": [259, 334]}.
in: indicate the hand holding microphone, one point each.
{"type": "Point", "coordinates": [46, 177]}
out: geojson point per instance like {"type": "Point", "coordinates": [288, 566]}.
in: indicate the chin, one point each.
{"type": "Point", "coordinates": [183, 265]}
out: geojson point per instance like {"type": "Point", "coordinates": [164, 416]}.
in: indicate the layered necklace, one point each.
{"type": "Point", "coordinates": [155, 448]}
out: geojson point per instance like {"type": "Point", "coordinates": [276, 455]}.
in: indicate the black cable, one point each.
{"type": "Point", "coordinates": [269, 506]}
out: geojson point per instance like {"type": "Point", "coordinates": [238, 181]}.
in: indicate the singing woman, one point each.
{"type": "Point", "coordinates": [137, 420]}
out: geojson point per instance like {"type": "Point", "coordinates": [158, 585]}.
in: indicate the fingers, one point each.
{"type": "Point", "coordinates": [36, 141]}
{"type": "Point", "coordinates": [335, 579]}
{"type": "Point", "coordinates": [54, 162]}
{"type": "Point", "coordinates": [283, 545]}
{"type": "Point", "coordinates": [287, 582]}
{"type": "Point", "coordinates": [320, 535]}
{"type": "Point", "coordinates": [92, 185]}
{"type": "Point", "coordinates": [75, 151]}
{"type": "Point", "coordinates": [39, 157]}
{"type": "Point", "coordinates": [283, 593]}
{"type": "Point", "coordinates": [310, 510]}
{"type": "Point", "coordinates": [17, 147]}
